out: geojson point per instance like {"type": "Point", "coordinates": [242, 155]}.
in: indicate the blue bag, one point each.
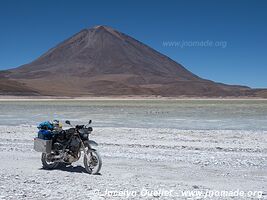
{"type": "Point", "coordinates": [46, 126]}
{"type": "Point", "coordinates": [45, 134]}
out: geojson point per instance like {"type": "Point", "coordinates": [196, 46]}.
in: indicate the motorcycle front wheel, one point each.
{"type": "Point", "coordinates": [47, 164]}
{"type": "Point", "coordinates": [92, 162]}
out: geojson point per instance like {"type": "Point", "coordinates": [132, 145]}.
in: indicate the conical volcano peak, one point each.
{"type": "Point", "coordinates": [103, 61]}
{"type": "Point", "coordinates": [101, 27]}
{"type": "Point", "coordinates": [106, 29]}
{"type": "Point", "coordinates": [104, 50]}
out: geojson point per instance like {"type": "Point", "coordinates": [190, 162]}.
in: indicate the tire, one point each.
{"type": "Point", "coordinates": [47, 164]}
{"type": "Point", "coordinates": [95, 163]}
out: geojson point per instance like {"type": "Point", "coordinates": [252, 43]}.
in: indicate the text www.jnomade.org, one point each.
{"type": "Point", "coordinates": [189, 43]}
{"type": "Point", "coordinates": [179, 193]}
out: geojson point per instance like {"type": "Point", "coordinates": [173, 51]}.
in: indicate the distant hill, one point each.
{"type": "Point", "coordinates": [101, 61]}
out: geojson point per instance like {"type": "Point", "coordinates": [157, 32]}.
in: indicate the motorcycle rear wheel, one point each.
{"type": "Point", "coordinates": [47, 164]}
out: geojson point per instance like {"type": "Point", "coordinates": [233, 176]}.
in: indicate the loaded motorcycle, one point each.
{"type": "Point", "coordinates": [65, 147]}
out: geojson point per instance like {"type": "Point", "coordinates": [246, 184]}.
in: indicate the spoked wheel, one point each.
{"type": "Point", "coordinates": [47, 164]}
{"type": "Point", "coordinates": [92, 162]}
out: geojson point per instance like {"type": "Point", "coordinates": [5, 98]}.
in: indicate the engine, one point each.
{"type": "Point", "coordinates": [68, 151]}
{"type": "Point", "coordinates": [75, 145]}
{"type": "Point", "coordinates": [58, 146]}
{"type": "Point", "coordinates": [72, 152]}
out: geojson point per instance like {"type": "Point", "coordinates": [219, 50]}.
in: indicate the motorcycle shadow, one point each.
{"type": "Point", "coordinates": [70, 168]}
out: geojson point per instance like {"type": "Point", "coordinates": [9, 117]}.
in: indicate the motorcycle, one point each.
{"type": "Point", "coordinates": [66, 146]}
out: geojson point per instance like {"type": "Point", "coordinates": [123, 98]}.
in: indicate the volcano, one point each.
{"type": "Point", "coordinates": [102, 61]}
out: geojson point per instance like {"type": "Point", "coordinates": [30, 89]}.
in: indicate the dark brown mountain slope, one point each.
{"type": "Point", "coordinates": [102, 61]}
{"type": "Point", "coordinates": [11, 87]}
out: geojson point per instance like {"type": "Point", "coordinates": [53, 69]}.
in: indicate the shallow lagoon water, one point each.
{"type": "Point", "coordinates": [180, 114]}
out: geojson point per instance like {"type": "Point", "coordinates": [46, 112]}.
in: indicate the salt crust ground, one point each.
{"type": "Point", "coordinates": [134, 159]}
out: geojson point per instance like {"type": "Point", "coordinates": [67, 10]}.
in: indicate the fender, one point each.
{"type": "Point", "coordinates": [90, 143]}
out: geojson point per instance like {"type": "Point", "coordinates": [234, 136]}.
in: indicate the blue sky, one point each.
{"type": "Point", "coordinates": [236, 32]}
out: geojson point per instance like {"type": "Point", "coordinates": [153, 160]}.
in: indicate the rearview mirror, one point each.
{"type": "Point", "coordinates": [90, 121]}
{"type": "Point", "coordinates": [67, 122]}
